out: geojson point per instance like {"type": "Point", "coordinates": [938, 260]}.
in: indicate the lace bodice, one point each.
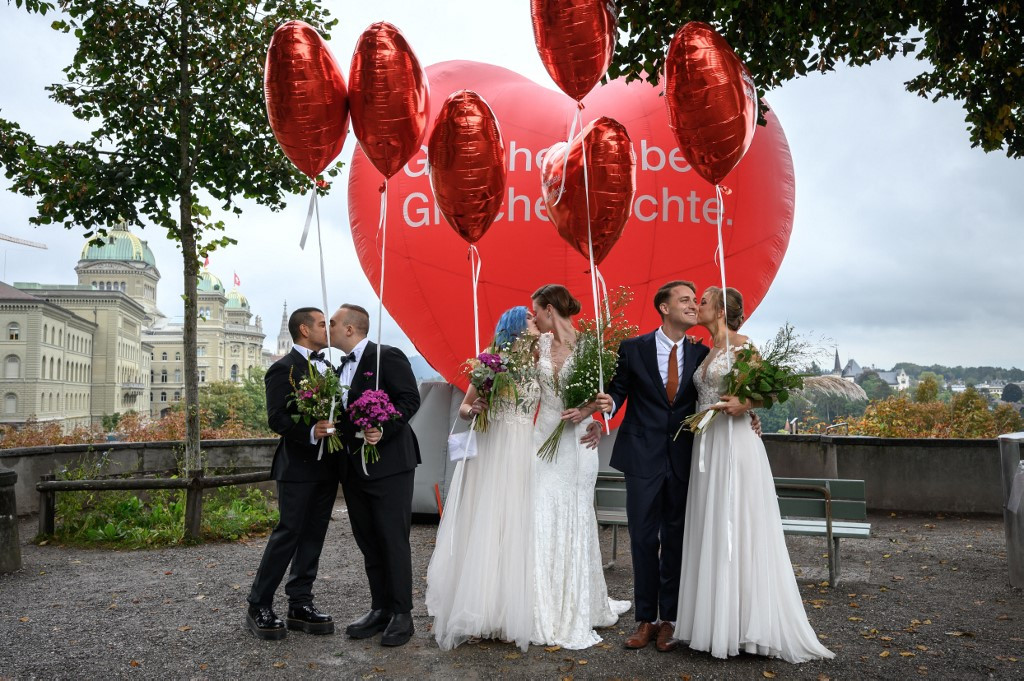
{"type": "Point", "coordinates": [520, 406]}
{"type": "Point", "coordinates": [709, 378]}
{"type": "Point", "coordinates": [548, 384]}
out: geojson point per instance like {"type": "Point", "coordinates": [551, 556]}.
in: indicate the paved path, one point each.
{"type": "Point", "coordinates": [927, 596]}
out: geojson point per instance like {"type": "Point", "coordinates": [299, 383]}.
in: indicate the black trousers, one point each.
{"type": "Point", "coordinates": [381, 515]}
{"type": "Point", "coordinates": [655, 511]}
{"type": "Point", "coordinates": [298, 539]}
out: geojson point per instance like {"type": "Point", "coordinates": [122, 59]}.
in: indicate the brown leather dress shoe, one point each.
{"type": "Point", "coordinates": [666, 643]}
{"type": "Point", "coordinates": [645, 633]}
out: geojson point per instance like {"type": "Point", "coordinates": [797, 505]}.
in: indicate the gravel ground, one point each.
{"type": "Point", "coordinates": [926, 596]}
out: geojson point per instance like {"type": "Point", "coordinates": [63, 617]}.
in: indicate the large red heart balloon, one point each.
{"type": "Point", "coordinates": [306, 97]}
{"type": "Point", "coordinates": [575, 40]}
{"type": "Point", "coordinates": [467, 164]}
{"type": "Point", "coordinates": [670, 233]}
{"type": "Point", "coordinates": [388, 94]}
{"type": "Point", "coordinates": [591, 209]}
{"type": "Point", "coordinates": [712, 105]}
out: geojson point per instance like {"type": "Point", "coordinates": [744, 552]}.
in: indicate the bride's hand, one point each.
{"type": "Point", "coordinates": [576, 415]}
{"type": "Point", "coordinates": [603, 402]}
{"type": "Point", "coordinates": [592, 438]}
{"type": "Point", "coordinates": [469, 411]}
{"type": "Point", "coordinates": [731, 405]}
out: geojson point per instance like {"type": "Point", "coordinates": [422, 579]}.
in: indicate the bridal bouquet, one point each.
{"type": "Point", "coordinates": [372, 410]}
{"type": "Point", "coordinates": [766, 377]}
{"type": "Point", "coordinates": [314, 397]}
{"type": "Point", "coordinates": [486, 372]}
{"type": "Point", "coordinates": [597, 348]}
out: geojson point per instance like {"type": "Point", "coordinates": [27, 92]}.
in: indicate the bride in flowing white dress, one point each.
{"type": "Point", "coordinates": [570, 594]}
{"type": "Point", "coordinates": [737, 591]}
{"type": "Point", "coordinates": [480, 577]}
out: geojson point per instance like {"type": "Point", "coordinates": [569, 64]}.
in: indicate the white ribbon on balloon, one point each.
{"type": "Point", "coordinates": [594, 275]}
{"type": "Point", "coordinates": [314, 209]}
{"type": "Point", "coordinates": [577, 119]}
{"type": "Point", "coordinates": [475, 264]}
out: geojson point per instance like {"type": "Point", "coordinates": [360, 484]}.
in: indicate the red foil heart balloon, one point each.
{"type": "Point", "coordinates": [611, 180]}
{"type": "Point", "coordinates": [389, 97]}
{"type": "Point", "coordinates": [712, 103]}
{"type": "Point", "coordinates": [467, 164]}
{"type": "Point", "coordinates": [670, 233]}
{"type": "Point", "coordinates": [306, 97]}
{"type": "Point", "coordinates": [575, 40]}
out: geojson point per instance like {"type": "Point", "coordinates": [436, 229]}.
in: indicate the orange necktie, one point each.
{"type": "Point", "coordinates": [672, 385]}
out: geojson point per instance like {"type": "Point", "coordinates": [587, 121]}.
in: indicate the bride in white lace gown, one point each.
{"type": "Point", "coordinates": [737, 591]}
{"type": "Point", "coordinates": [570, 595]}
{"type": "Point", "coordinates": [480, 577]}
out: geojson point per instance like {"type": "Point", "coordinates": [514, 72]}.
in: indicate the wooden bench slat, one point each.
{"type": "Point", "coordinates": [815, 508]}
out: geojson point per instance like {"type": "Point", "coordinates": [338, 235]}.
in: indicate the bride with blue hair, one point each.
{"type": "Point", "coordinates": [479, 581]}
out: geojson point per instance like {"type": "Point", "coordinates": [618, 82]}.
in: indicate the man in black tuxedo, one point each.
{"type": "Point", "coordinates": [654, 375]}
{"type": "Point", "coordinates": [306, 489]}
{"type": "Point", "coordinates": [380, 500]}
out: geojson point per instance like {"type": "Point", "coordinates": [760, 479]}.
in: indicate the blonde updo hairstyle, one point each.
{"type": "Point", "coordinates": [734, 309]}
{"type": "Point", "coordinates": [558, 297]}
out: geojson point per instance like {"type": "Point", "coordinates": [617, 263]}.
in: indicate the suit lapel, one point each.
{"type": "Point", "coordinates": [689, 366]}
{"type": "Point", "coordinates": [649, 356]}
{"type": "Point", "coordinates": [367, 363]}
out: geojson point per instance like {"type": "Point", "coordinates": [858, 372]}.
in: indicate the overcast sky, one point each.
{"type": "Point", "coordinates": [907, 243]}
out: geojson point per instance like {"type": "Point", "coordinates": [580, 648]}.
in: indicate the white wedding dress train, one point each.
{"type": "Point", "coordinates": [737, 590]}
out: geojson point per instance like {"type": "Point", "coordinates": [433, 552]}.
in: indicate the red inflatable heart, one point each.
{"type": "Point", "coordinates": [670, 235]}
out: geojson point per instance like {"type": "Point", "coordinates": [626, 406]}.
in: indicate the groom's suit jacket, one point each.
{"type": "Point", "coordinates": [399, 450]}
{"type": "Point", "coordinates": [296, 458]}
{"type": "Point", "coordinates": [644, 445]}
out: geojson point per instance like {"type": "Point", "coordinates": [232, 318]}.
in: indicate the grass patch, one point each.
{"type": "Point", "coordinates": [124, 519]}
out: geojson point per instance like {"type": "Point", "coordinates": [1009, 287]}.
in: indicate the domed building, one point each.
{"type": "Point", "coordinates": [74, 353]}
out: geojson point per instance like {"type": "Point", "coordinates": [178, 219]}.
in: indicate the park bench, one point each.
{"type": "Point", "coordinates": [610, 505]}
{"type": "Point", "coordinates": [809, 507]}
{"type": "Point", "coordinates": [827, 508]}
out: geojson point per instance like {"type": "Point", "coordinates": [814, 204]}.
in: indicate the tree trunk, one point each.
{"type": "Point", "coordinates": [193, 460]}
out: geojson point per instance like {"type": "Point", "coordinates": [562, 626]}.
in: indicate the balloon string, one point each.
{"type": "Point", "coordinates": [474, 266]}
{"type": "Point", "coordinates": [598, 326]}
{"type": "Point", "coordinates": [314, 204]}
{"type": "Point", "coordinates": [382, 234]}
{"type": "Point", "coordinates": [309, 219]}
{"type": "Point", "coordinates": [720, 254]}
{"type": "Point", "coordinates": [577, 119]}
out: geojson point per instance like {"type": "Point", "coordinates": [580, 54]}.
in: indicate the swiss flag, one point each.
{"type": "Point", "coordinates": [206, 261]}
{"type": "Point", "coordinates": [238, 282]}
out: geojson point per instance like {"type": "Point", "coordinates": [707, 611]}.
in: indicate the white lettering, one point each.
{"type": "Point", "coordinates": [645, 151]}
{"type": "Point", "coordinates": [513, 151]}
{"type": "Point", "coordinates": [511, 202]}
{"type": "Point", "coordinates": [540, 209]}
{"type": "Point", "coordinates": [693, 200]}
{"type": "Point", "coordinates": [422, 214]}
{"type": "Point", "coordinates": [421, 167]}
{"type": "Point", "coordinates": [712, 211]}
{"type": "Point", "coordinates": [666, 200]}
{"type": "Point", "coordinates": [678, 161]}
{"type": "Point", "coordinates": [636, 208]}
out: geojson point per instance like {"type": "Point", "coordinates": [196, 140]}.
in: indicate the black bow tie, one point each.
{"type": "Point", "coordinates": [317, 357]}
{"type": "Point", "coordinates": [350, 357]}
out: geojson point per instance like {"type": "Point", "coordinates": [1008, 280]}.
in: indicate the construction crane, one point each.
{"type": "Point", "coordinates": [20, 242]}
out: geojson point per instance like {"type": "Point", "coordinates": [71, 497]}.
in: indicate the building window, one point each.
{"type": "Point", "coordinates": [234, 372]}
{"type": "Point", "coordinates": [163, 356]}
{"type": "Point", "coordinates": [177, 375]}
{"type": "Point", "coordinates": [163, 376]}
{"type": "Point", "coordinates": [10, 403]}
{"type": "Point", "coordinates": [60, 337]}
{"type": "Point", "coordinates": [163, 397]}
{"type": "Point", "coordinates": [123, 287]}
{"type": "Point", "coordinates": [45, 328]}
{"type": "Point", "coordinates": [201, 351]}
{"type": "Point", "coordinates": [177, 396]}
{"type": "Point", "coordinates": [177, 357]}
{"type": "Point", "coordinates": [202, 375]}
{"type": "Point", "coordinates": [13, 331]}
{"type": "Point", "coordinates": [12, 367]}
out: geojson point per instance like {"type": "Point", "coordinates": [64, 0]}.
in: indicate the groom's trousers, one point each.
{"type": "Point", "coordinates": [655, 509]}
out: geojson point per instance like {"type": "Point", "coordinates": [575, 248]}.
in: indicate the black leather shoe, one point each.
{"type": "Point", "coordinates": [399, 630]}
{"type": "Point", "coordinates": [369, 624]}
{"type": "Point", "coordinates": [310, 620]}
{"type": "Point", "coordinates": [264, 624]}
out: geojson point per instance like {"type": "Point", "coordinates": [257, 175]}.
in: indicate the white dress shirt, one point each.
{"type": "Point", "coordinates": [348, 372]}
{"type": "Point", "coordinates": [664, 345]}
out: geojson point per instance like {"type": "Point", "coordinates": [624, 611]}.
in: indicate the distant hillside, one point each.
{"type": "Point", "coordinates": [968, 375]}
{"type": "Point", "coordinates": [422, 370]}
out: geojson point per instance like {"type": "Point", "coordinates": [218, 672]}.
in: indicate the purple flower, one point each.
{"type": "Point", "coordinates": [368, 374]}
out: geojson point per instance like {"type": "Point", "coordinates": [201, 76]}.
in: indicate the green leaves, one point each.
{"type": "Point", "coordinates": [972, 51]}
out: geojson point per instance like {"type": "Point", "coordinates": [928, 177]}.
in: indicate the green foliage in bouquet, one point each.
{"type": "Point", "coordinates": [597, 349]}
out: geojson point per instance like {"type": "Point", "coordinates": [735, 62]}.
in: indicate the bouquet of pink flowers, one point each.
{"type": "Point", "coordinates": [314, 397]}
{"type": "Point", "coordinates": [372, 410]}
{"type": "Point", "coordinates": [485, 372]}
